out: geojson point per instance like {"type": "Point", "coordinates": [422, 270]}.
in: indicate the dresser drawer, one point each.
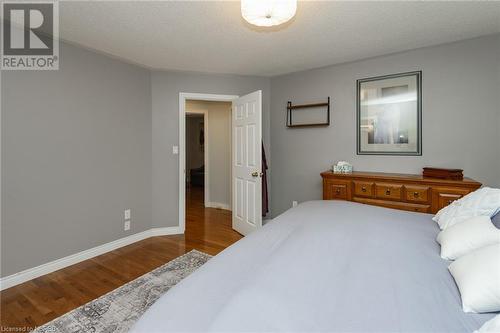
{"type": "Point", "coordinates": [335, 190]}
{"type": "Point", "coordinates": [363, 189]}
{"type": "Point", "coordinates": [388, 191]}
{"type": "Point", "coordinates": [442, 197]}
{"type": "Point", "coordinates": [445, 199]}
{"type": "Point", "coordinates": [339, 191]}
{"type": "Point", "coordinates": [395, 205]}
{"type": "Point", "coordinates": [418, 194]}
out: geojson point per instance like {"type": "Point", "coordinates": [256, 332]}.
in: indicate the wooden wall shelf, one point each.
{"type": "Point", "coordinates": [309, 125]}
{"type": "Point", "coordinates": [289, 112]}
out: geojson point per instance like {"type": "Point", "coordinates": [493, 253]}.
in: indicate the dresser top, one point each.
{"type": "Point", "coordinates": [401, 177]}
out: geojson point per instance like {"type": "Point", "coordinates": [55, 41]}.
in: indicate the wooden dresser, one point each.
{"type": "Point", "coordinates": [399, 191]}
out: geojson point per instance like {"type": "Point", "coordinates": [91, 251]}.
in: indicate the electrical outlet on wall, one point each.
{"type": "Point", "coordinates": [126, 225]}
{"type": "Point", "coordinates": [294, 203]}
{"type": "Point", "coordinates": [126, 214]}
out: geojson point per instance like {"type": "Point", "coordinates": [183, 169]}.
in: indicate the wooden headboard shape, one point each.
{"type": "Point", "coordinates": [399, 191]}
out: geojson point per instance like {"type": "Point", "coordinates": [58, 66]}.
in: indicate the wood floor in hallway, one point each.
{"type": "Point", "coordinates": [40, 300]}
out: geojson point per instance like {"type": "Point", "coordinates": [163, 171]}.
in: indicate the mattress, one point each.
{"type": "Point", "coordinates": [322, 266]}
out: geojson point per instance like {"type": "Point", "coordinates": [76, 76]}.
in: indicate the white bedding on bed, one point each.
{"type": "Point", "coordinates": [322, 266]}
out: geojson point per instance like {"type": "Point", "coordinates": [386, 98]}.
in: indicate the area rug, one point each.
{"type": "Point", "coordinates": [118, 310]}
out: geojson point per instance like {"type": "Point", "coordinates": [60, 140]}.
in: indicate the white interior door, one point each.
{"type": "Point", "coordinates": [247, 163]}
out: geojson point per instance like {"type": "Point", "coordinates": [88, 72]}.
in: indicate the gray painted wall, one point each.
{"type": "Point", "coordinates": [76, 152]}
{"type": "Point", "coordinates": [498, 110]}
{"type": "Point", "coordinates": [461, 85]}
{"type": "Point", "coordinates": [81, 144]}
{"type": "Point", "coordinates": [166, 87]}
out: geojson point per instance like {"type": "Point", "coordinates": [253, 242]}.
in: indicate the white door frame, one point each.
{"type": "Point", "coordinates": [183, 97]}
{"type": "Point", "coordinates": [205, 154]}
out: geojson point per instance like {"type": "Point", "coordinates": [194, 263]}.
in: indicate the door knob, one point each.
{"type": "Point", "coordinates": [255, 174]}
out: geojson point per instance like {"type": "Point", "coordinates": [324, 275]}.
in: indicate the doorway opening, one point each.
{"type": "Point", "coordinates": [197, 155]}
{"type": "Point", "coordinates": [208, 152]}
{"type": "Point", "coordinates": [220, 176]}
{"type": "Point", "coordinates": [201, 152]}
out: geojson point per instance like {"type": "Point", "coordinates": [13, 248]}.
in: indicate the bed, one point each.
{"type": "Point", "coordinates": [331, 266]}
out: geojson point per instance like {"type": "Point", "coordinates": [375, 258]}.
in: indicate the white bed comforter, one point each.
{"type": "Point", "coordinates": [322, 266]}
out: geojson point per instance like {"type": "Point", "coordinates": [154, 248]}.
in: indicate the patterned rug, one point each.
{"type": "Point", "coordinates": [119, 309]}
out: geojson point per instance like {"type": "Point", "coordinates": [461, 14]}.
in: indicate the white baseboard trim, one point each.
{"type": "Point", "coordinates": [32, 273]}
{"type": "Point", "coordinates": [166, 231]}
{"type": "Point", "coordinates": [218, 205]}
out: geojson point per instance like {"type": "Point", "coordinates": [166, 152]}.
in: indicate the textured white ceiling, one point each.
{"type": "Point", "coordinates": [212, 37]}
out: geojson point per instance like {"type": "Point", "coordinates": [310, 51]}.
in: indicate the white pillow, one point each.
{"type": "Point", "coordinates": [482, 202]}
{"type": "Point", "coordinates": [477, 276]}
{"type": "Point", "coordinates": [474, 233]}
{"type": "Point", "coordinates": [491, 326]}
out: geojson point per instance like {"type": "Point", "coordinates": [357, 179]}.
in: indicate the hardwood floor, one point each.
{"type": "Point", "coordinates": [40, 300]}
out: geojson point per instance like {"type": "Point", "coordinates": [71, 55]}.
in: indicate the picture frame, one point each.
{"type": "Point", "coordinates": [389, 114]}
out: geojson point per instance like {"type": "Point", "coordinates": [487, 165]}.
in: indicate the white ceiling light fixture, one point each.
{"type": "Point", "coordinates": [267, 13]}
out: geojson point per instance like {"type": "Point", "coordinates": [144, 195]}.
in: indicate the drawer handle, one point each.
{"type": "Point", "coordinates": [337, 191]}
{"type": "Point", "coordinates": [388, 192]}
{"type": "Point", "coordinates": [363, 189]}
{"type": "Point", "coordinates": [415, 194]}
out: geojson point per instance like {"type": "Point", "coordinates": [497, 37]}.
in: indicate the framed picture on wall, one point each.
{"type": "Point", "coordinates": [389, 114]}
